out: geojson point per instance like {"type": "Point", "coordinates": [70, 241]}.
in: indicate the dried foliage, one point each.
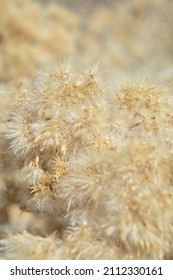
{"type": "Point", "coordinates": [86, 169]}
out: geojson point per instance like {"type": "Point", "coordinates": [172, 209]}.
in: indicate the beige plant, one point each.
{"type": "Point", "coordinates": [94, 158]}
{"type": "Point", "coordinates": [86, 169]}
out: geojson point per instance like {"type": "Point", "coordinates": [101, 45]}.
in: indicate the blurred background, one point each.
{"type": "Point", "coordinates": [120, 34]}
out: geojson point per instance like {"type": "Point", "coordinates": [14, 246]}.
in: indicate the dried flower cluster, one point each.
{"type": "Point", "coordinates": [98, 158]}
{"type": "Point", "coordinates": [86, 153]}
